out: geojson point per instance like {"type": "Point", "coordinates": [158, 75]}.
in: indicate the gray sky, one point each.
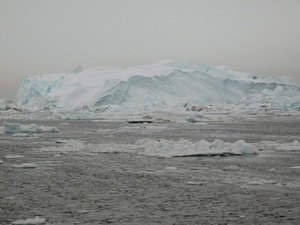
{"type": "Point", "coordinates": [49, 36]}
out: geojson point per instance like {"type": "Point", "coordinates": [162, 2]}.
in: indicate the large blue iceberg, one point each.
{"type": "Point", "coordinates": [164, 82]}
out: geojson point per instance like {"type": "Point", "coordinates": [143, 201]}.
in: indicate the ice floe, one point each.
{"type": "Point", "coordinates": [32, 128]}
{"type": "Point", "coordinates": [295, 167]}
{"type": "Point", "coordinates": [25, 166]}
{"type": "Point", "coordinates": [35, 221]}
{"type": "Point", "coordinates": [292, 147]}
{"type": "Point", "coordinates": [162, 148]}
{"type": "Point", "coordinates": [231, 168]}
{"type": "Point", "coordinates": [185, 147]}
{"type": "Point", "coordinates": [196, 182]}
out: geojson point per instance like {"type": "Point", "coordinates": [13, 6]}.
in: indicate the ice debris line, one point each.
{"type": "Point", "coordinates": [164, 82]}
{"type": "Point", "coordinates": [185, 147]}
{"type": "Point", "coordinates": [162, 148]}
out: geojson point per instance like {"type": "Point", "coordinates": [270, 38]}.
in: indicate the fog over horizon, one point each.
{"type": "Point", "coordinates": [52, 36]}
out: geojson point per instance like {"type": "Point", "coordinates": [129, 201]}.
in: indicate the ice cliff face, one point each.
{"type": "Point", "coordinates": [166, 81]}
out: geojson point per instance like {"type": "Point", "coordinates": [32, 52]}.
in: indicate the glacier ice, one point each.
{"type": "Point", "coordinates": [165, 82]}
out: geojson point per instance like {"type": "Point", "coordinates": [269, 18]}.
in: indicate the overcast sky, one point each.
{"type": "Point", "coordinates": [50, 36]}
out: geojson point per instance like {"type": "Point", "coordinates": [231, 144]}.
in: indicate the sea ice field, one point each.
{"type": "Point", "coordinates": [175, 142]}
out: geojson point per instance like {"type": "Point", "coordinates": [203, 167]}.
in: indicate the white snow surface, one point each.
{"type": "Point", "coordinates": [166, 82]}
{"type": "Point", "coordinates": [32, 128]}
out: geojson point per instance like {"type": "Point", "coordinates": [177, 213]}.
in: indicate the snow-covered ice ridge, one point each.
{"type": "Point", "coordinates": [164, 82]}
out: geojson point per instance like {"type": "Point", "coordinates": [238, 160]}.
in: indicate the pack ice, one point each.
{"type": "Point", "coordinates": [164, 82]}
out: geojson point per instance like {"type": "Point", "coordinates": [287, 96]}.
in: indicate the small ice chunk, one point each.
{"type": "Point", "coordinates": [271, 170]}
{"type": "Point", "coordinates": [293, 147]}
{"type": "Point", "coordinates": [255, 183]}
{"type": "Point", "coordinates": [171, 168]}
{"type": "Point", "coordinates": [26, 166]}
{"type": "Point", "coordinates": [194, 119]}
{"type": "Point", "coordinates": [196, 182]}
{"type": "Point", "coordinates": [14, 157]}
{"type": "Point", "coordinates": [83, 212]}
{"type": "Point", "coordinates": [10, 198]}
{"type": "Point", "coordinates": [35, 221]}
{"type": "Point", "coordinates": [244, 148]}
{"type": "Point", "coordinates": [295, 167]}
{"type": "Point", "coordinates": [231, 168]}
{"type": "Point", "coordinates": [1, 161]}
{"type": "Point", "coordinates": [59, 141]}
{"type": "Point", "coordinates": [59, 155]}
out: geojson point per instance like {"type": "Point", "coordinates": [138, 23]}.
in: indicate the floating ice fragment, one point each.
{"type": "Point", "coordinates": [255, 183]}
{"type": "Point", "coordinates": [243, 148]}
{"type": "Point", "coordinates": [196, 182]}
{"type": "Point", "coordinates": [10, 198]}
{"type": "Point", "coordinates": [295, 167]}
{"type": "Point", "coordinates": [83, 212]}
{"type": "Point", "coordinates": [231, 168]}
{"type": "Point", "coordinates": [59, 141]}
{"type": "Point", "coordinates": [26, 166]}
{"type": "Point", "coordinates": [1, 161]}
{"type": "Point", "coordinates": [293, 147]}
{"type": "Point", "coordinates": [183, 148]}
{"type": "Point", "coordinates": [60, 155]}
{"type": "Point", "coordinates": [32, 128]}
{"type": "Point", "coordinates": [194, 119]}
{"type": "Point", "coordinates": [171, 168]}
{"type": "Point", "coordinates": [35, 221]}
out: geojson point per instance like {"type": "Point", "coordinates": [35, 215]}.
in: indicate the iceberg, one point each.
{"type": "Point", "coordinates": [166, 82]}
